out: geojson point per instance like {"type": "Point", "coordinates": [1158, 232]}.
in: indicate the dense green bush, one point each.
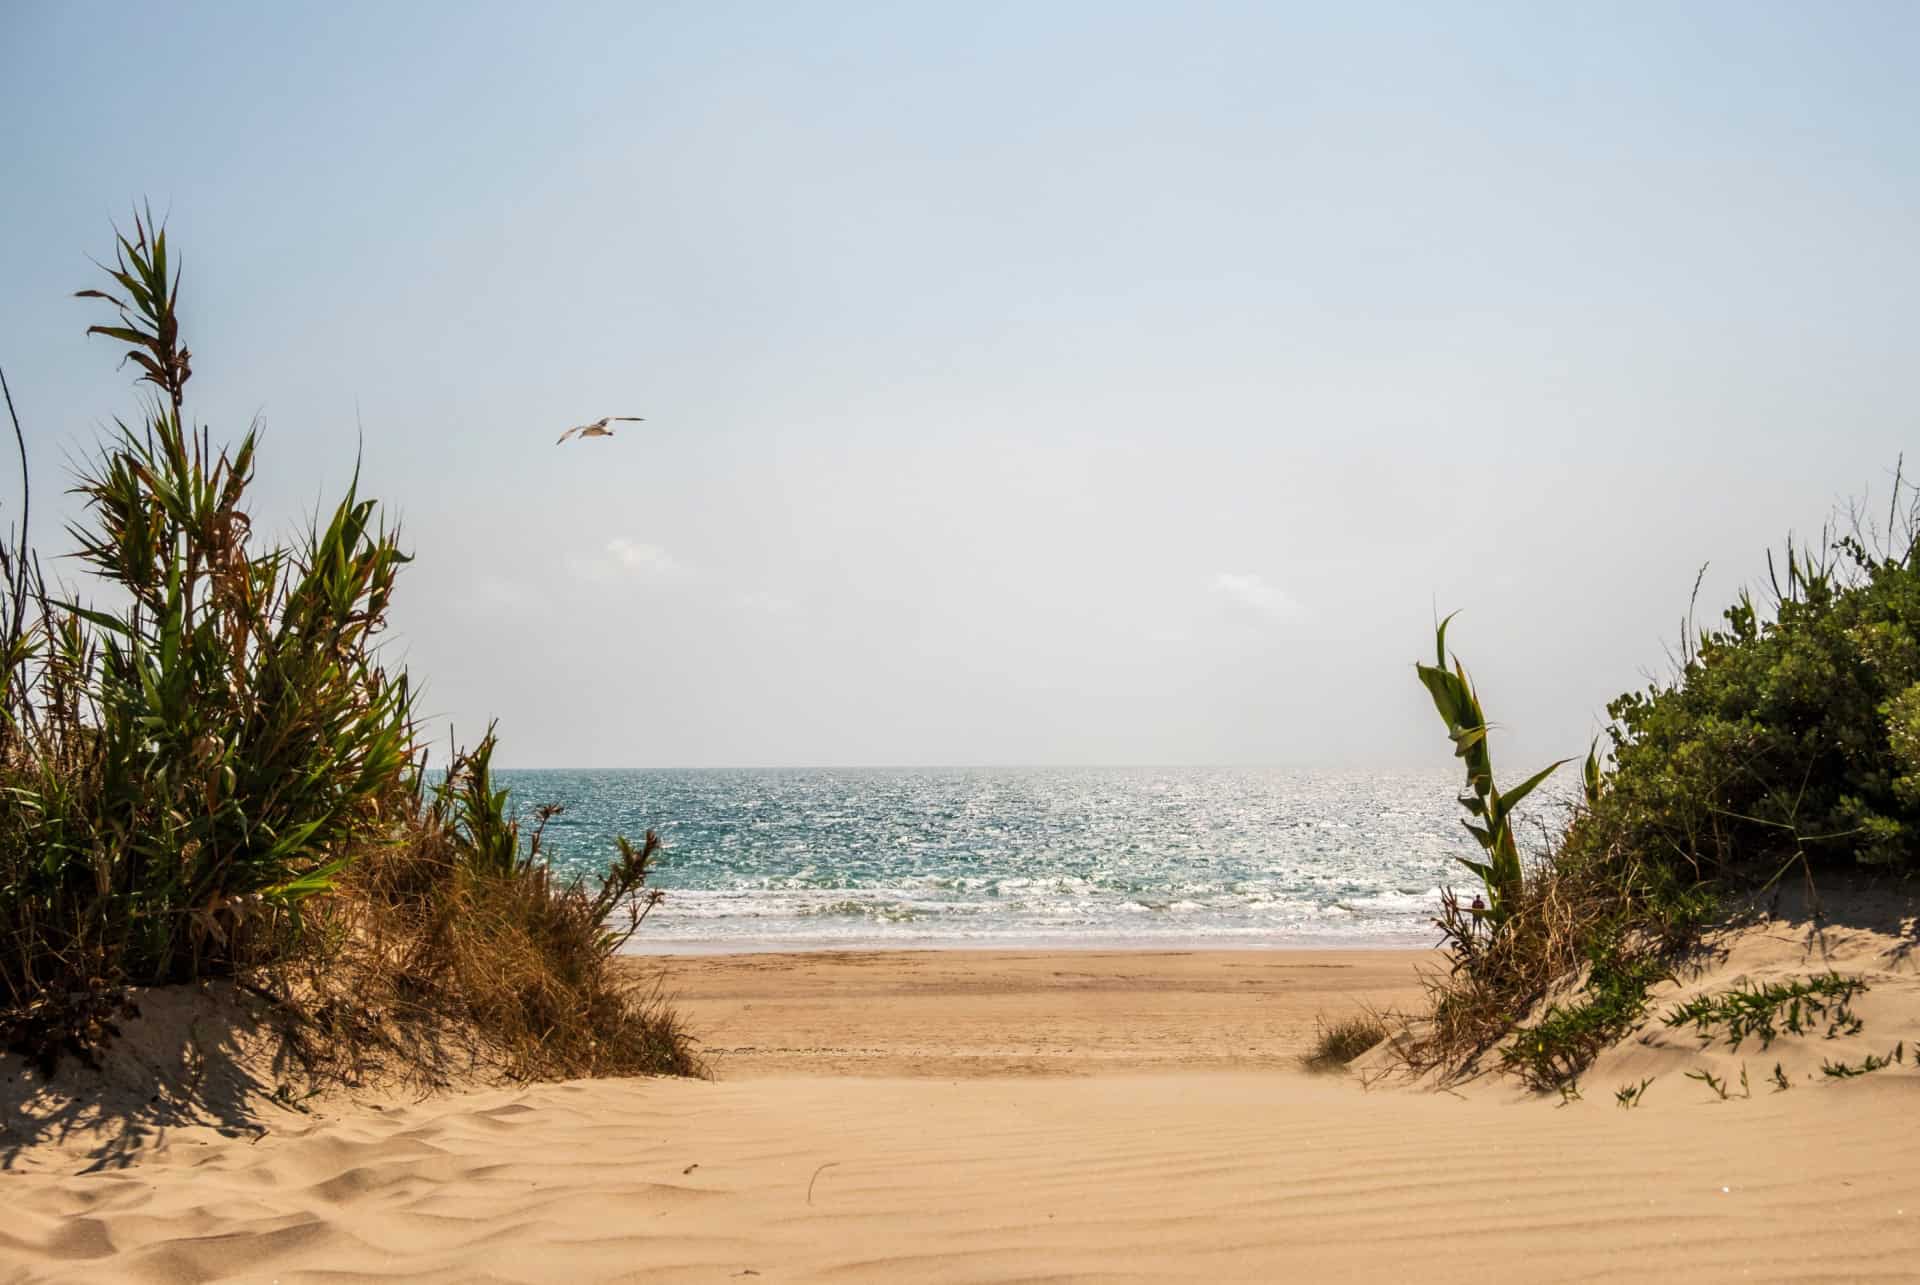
{"type": "Point", "coordinates": [1786, 739]}
{"type": "Point", "coordinates": [1795, 738]}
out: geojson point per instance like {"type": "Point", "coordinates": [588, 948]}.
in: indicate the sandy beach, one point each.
{"type": "Point", "coordinates": [962, 1014]}
{"type": "Point", "coordinates": [954, 1116]}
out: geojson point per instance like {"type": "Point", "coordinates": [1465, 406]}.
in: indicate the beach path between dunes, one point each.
{"type": "Point", "coordinates": [995, 1012]}
{"type": "Point", "coordinates": [1000, 1163]}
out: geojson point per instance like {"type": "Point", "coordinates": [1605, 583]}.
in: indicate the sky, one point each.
{"type": "Point", "coordinates": [1037, 383]}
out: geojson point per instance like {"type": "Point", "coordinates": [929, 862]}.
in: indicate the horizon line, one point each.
{"type": "Point", "coordinates": [971, 767]}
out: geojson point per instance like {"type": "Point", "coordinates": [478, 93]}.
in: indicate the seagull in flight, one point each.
{"type": "Point", "coordinates": [599, 427]}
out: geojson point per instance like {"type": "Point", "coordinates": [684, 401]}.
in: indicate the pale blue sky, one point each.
{"type": "Point", "coordinates": [1036, 383]}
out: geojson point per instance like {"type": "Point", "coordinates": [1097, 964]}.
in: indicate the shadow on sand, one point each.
{"type": "Point", "coordinates": [201, 1057]}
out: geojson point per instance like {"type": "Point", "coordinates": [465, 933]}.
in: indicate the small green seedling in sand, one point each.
{"type": "Point", "coordinates": [1753, 1009]}
{"type": "Point", "coordinates": [1711, 1080]}
{"type": "Point", "coordinates": [287, 1096]}
{"type": "Point", "coordinates": [1780, 1081]}
{"type": "Point", "coordinates": [1746, 1090]}
{"type": "Point", "coordinates": [1844, 1071]}
{"type": "Point", "coordinates": [1628, 1096]}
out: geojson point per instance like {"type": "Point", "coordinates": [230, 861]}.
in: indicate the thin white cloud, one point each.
{"type": "Point", "coordinates": [1253, 593]}
{"type": "Point", "coordinates": [643, 559]}
{"type": "Point", "coordinates": [624, 559]}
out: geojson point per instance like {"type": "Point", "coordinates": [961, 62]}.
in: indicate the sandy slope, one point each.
{"type": "Point", "coordinates": [1127, 1165]}
{"type": "Point", "coordinates": [1869, 938]}
{"type": "Point", "coordinates": [1223, 1176]}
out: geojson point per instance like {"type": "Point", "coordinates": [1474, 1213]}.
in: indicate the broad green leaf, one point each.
{"type": "Point", "coordinates": [1511, 798]}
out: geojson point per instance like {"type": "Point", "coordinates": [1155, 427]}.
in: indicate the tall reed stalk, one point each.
{"type": "Point", "coordinates": [1490, 809]}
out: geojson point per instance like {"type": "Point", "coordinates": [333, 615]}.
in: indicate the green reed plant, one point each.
{"type": "Point", "coordinates": [481, 815]}
{"type": "Point", "coordinates": [1563, 956]}
{"type": "Point", "coordinates": [1490, 809]}
{"type": "Point", "coordinates": [186, 770]}
{"type": "Point", "coordinates": [217, 775]}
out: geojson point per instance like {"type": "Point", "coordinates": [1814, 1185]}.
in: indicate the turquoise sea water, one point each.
{"type": "Point", "coordinates": [800, 859]}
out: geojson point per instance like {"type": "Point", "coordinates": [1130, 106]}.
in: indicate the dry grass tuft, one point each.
{"type": "Point", "coordinates": [1338, 1043]}
{"type": "Point", "coordinates": [429, 966]}
{"type": "Point", "coordinates": [1567, 972]}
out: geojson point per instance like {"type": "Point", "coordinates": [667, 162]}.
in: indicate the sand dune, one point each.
{"type": "Point", "coordinates": [1223, 1176]}
{"type": "Point", "coordinates": [1122, 1165]}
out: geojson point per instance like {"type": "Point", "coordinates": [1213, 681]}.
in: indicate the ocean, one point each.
{"type": "Point", "coordinates": [1008, 857]}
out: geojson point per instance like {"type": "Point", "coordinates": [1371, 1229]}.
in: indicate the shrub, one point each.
{"type": "Point", "coordinates": [1781, 740]}
{"type": "Point", "coordinates": [182, 774]}
{"type": "Point", "coordinates": [220, 777]}
{"type": "Point", "coordinates": [1795, 738]}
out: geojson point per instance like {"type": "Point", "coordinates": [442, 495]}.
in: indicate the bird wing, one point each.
{"type": "Point", "coordinates": [598, 428]}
